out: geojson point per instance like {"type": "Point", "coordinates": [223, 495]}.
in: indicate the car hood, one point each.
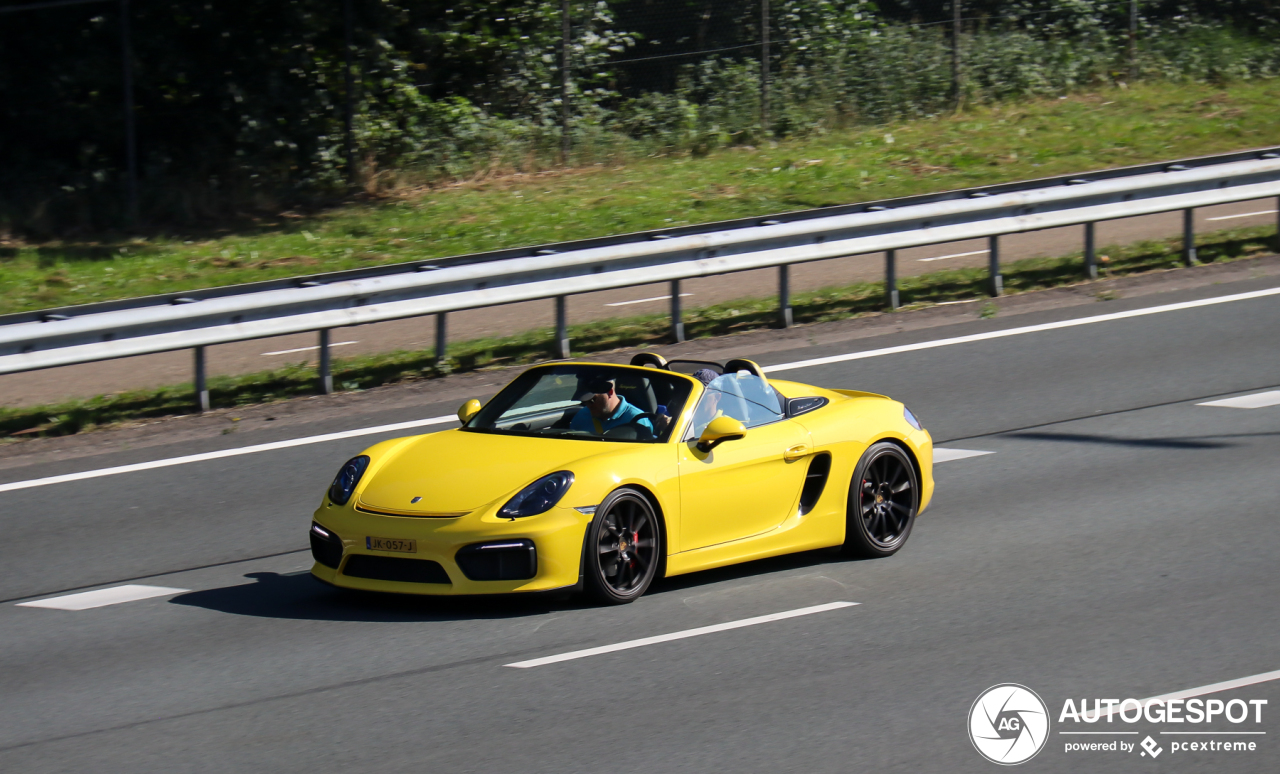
{"type": "Point", "coordinates": [455, 472]}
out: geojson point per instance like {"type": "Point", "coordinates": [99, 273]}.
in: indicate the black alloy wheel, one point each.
{"type": "Point", "coordinates": [624, 548]}
{"type": "Point", "coordinates": [883, 499]}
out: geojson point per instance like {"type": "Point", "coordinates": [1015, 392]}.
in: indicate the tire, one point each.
{"type": "Point", "coordinates": [884, 496]}
{"type": "Point", "coordinates": [624, 548]}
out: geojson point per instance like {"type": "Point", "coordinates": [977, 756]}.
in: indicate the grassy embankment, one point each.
{"type": "Point", "coordinates": [982, 146]}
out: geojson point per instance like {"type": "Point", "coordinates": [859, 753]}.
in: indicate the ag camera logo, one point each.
{"type": "Point", "coordinates": [1008, 724]}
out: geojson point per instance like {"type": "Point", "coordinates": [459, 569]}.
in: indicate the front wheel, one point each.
{"type": "Point", "coordinates": [623, 549]}
{"type": "Point", "coordinates": [883, 499]}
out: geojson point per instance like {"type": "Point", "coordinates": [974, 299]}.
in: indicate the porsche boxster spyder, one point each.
{"type": "Point", "coordinates": [599, 477]}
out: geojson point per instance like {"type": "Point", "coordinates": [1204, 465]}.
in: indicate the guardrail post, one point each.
{"type": "Point", "coordinates": [1189, 237]}
{"type": "Point", "coordinates": [1278, 223]}
{"type": "Point", "coordinates": [891, 277]}
{"type": "Point", "coordinates": [784, 296]}
{"type": "Point", "coordinates": [442, 337]}
{"type": "Point", "coordinates": [202, 388]}
{"type": "Point", "coordinates": [677, 324]}
{"type": "Point", "coordinates": [993, 265]}
{"type": "Point", "coordinates": [1090, 253]}
{"type": "Point", "coordinates": [562, 329]}
{"type": "Point", "coordinates": [326, 376]}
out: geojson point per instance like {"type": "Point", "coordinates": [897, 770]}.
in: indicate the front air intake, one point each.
{"type": "Point", "coordinates": [506, 560]}
{"type": "Point", "coordinates": [389, 568]}
{"type": "Point", "coordinates": [326, 548]}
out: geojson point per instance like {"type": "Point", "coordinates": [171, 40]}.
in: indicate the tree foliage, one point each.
{"type": "Point", "coordinates": [242, 106]}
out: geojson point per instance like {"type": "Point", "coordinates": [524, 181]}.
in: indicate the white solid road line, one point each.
{"type": "Point", "coordinates": [645, 300]}
{"type": "Point", "coordinates": [953, 255]}
{"type": "Point", "coordinates": [1257, 400]}
{"type": "Point", "coordinates": [217, 455]}
{"type": "Point", "coordinates": [1229, 685]}
{"type": "Point", "coordinates": [680, 635]}
{"type": "Point", "coordinates": [771, 369]}
{"type": "Point", "coordinates": [308, 349]}
{"type": "Point", "coordinates": [947, 455]}
{"type": "Point", "coordinates": [1242, 215]}
{"type": "Point", "coordinates": [1019, 331]}
{"type": "Point", "coordinates": [86, 600]}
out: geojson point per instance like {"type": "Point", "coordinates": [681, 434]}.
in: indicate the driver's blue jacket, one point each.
{"type": "Point", "coordinates": [622, 415]}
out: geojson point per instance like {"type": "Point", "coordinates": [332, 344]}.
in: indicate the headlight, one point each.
{"type": "Point", "coordinates": [911, 418]}
{"type": "Point", "coordinates": [539, 496]}
{"type": "Point", "coordinates": [345, 482]}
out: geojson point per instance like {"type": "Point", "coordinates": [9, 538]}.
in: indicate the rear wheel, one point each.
{"type": "Point", "coordinates": [883, 499]}
{"type": "Point", "coordinates": [624, 546]}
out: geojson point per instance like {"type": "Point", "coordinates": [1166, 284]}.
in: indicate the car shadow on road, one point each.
{"type": "Point", "coordinates": [758, 567]}
{"type": "Point", "coordinates": [300, 596]}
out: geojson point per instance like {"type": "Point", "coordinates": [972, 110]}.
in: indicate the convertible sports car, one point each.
{"type": "Point", "coordinates": [598, 477]}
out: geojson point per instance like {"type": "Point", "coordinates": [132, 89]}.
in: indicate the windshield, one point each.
{"type": "Point", "coordinates": [742, 396]}
{"type": "Point", "coordinates": [588, 402]}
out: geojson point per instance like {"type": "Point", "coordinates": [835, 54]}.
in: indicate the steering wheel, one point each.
{"type": "Point", "coordinates": [627, 432]}
{"type": "Point", "coordinates": [643, 433]}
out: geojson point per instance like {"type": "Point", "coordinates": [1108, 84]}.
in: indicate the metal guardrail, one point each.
{"type": "Point", "coordinates": [320, 303]}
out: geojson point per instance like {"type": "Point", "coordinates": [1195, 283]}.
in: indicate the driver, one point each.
{"type": "Point", "coordinates": [605, 408]}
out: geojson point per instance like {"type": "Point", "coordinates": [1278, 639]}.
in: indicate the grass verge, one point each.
{"type": "Point", "coordinates": [981, 146]}
{"type": "Point", "coordinates": [827, 304]}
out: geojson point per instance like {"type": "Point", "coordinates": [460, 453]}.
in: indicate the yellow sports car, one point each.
{"type": "Point", "coordinates": [597, 477]}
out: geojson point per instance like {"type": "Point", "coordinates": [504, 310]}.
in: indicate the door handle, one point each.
{"type": "Point", "coordinates": [796, 452]}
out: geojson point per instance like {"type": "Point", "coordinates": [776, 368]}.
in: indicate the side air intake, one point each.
{"type": "Point", "coordinates": [814, 482]}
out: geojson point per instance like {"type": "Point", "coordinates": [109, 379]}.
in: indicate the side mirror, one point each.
{"type": "Point", "coordinates": [720, 429]}
{"type": "Point", "coordinates": [468, 410]}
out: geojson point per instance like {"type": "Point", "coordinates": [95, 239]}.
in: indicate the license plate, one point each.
{"type": "Point", "coordinates": [391, 544]}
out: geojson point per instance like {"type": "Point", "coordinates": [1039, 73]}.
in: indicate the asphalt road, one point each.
{"type": "Point", "coordinates": [1118, 540]}
{"type": "Point", "coordinates": [43, 387]}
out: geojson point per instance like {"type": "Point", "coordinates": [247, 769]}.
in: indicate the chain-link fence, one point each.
{"type": "Point", "coordinates": [174, 110]}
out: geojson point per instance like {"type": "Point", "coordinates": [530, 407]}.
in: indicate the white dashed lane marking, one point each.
{"type": "Point", "coordinates": [948, 455]}
{"type": "Point", "coordinates": [308, 349]}
{"type": "Point", "coordinates": [680, 635]}
{"type": "Point", "coordinates": [1229, 685]}
{"type": "Point", "coordinates": [86, 600]}
{"type": "Point", "coordinates": [953, 255]}
{"type": "Point", "coordinates": [1242, 215]}
{"type": "Point", "coordinates": [1257, 400]}
{"type": "Point", "coordinates": [645, 300]}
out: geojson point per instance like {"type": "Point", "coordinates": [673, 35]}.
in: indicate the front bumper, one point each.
{"type": "Point", "coordinates": [549, 546]}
